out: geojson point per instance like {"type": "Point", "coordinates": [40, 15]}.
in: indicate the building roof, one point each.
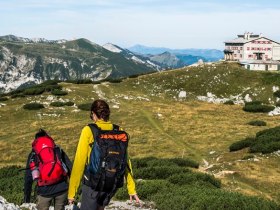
{"type": "Point", "coordinates": [242, 39]}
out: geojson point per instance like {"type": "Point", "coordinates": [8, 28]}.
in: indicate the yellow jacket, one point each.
{"type": "Point", "coordinates": [82, 158]}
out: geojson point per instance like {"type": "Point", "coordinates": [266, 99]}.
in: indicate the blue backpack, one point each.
{"type": "Point", "coordinates": [108, 159]}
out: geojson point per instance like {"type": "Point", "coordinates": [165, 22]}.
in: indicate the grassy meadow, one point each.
{"type": "Point", "coordinates": [160, 124]}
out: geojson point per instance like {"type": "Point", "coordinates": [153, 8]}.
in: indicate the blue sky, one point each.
{"type": "Point", "coordinates": [158, 23]}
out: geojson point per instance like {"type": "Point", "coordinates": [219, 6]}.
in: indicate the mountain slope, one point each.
{"type": "Point", "coordinates": [162, 122]}
{"type": "Point", "coordinates": [24, 62]}
{"type": "Point", "coordinates": [132, 56]}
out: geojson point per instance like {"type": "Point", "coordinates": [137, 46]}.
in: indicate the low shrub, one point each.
{"type": "Point", "coordinates": [194, 178]}
{"type": "Point", "coordinates": [277, 104]}
{"type": "Point", "coordinates": [69, 103]}
{"type": "Point", "coordinates": [241, 144]}
{"type": "Point", "coordinates": [198, 197]}
{"type": "Point", "coordinates": [4, 99]}
{"type": "Point", "coordinates": [11, 184]}
{"type": "Point", "coordinates": [152, 162]}
{"type": "Point", "coordinates": [266, 141]}
{"type": "Point", "coordinates": [58, 92]}
{"type": "Point", "coordinates": [257, 123]}
{"type": "Point", "coordinates": [20, 95]}
{"type": "Point", "coordinates": [57, 104]}
{"type": "Point", "coordinates": [229, 102]}
{"type": "Point", "coordinates": [85, 107]}
{"type": "Point", "coordinates": [258, 108]}
{"type": "Point", "coordinates": [158, 172]}
{"type": "Point", "coordinates": [33, 106]}
{"type": "Point", "coordinates": [277, 94]}
{"type": "Point", "coordinates": [34, 91]}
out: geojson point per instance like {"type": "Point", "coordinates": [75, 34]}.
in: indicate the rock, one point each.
{"type": "Point", "coordinates": [182, 94]}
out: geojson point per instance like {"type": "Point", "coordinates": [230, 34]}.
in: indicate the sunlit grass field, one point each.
{"type": "Point", "coordinates": [159, 123]}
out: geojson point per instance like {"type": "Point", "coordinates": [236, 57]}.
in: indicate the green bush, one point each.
{"type": "Point", "coordinates": [198, 197]}
{"type": "Point", "coordinates": [152, 161]}
{"type": "Point", "coordinates": [277, 104]}
{"type": "Point", "coordinates": [158, 172]}
{"type": "Point", "coordinates": [57, 104]}
{"type": "Point", "coordinates": [229, 102]}
{"type": "Point", "coordinates": [69, 103]}
{"type": "Point", "coordinates": [34, 91]}
{"type": "Point", "coordinates": [58, 92]}
{"type": "Point", "coordinates": [85, 107]}
{"type": "Point", "coordinates": [258, 108]}
{"type": "Point", "coordinates": [20, 95]}
{"type": "Point", "coordinates": [257, 123]}
{"type": "Point", "coordinates": [194, 178]}
{"type": "Point", "coordinates": [241, 144]}
{"type": "Point", "coordinates": [33, 106]}
{"type": "Point", "coordinates": [277, 94]}
{"type": "Point", "coordinates": [4, 99]}
{"type": "Point", "coordinates": [11, 184]}
{"type": "Point", "coordinates": [266, 141]}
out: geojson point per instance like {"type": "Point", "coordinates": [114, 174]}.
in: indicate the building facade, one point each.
{"type": "Point", "coordinates": [255, 52]}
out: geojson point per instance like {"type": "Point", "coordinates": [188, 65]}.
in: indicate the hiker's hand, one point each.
{"type": "Point", "coordinates": [71, 201]}
{"type": "Point", "coordinates": [135, 197]}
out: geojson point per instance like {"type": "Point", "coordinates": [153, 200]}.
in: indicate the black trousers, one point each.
{"type": "Point", "coordinates": [92, 199]}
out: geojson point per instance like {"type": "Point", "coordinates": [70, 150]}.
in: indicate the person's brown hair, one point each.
{"type": "Point", "coordinates": [101, 109]}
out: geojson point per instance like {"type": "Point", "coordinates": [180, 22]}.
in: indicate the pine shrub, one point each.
{"type": "Point", "coordinates": [85, 107]}
{"type": "Point", "coordinates": [69, 103]}
{"type": "Point", "coordinates": [58, 92]}
{"type": "Point", "coordinates": [277, 94]}
{"type": "Point", "coordinates": [258, 108]}
{"type": "Point", "coordinates": [20, 95]}
{"type": "Point", "coordinates": [266, 141]}
{"type": "Point", "coordinates": [34, 91]}
{"type": "Point", "coordinates": [229, 102]}
{"type": "Point", "coordinates": [57, 104]}
{"type": "Point", "coordinates": [241, 144]}
{"type": "Point", "coordinates": [33, 106]}
{"type": "Point", "coordinates": [257, 123]}
{"type": "Point", "coordinates": [4, 99]}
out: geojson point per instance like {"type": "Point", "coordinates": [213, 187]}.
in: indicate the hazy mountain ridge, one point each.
{"type": "Point", "coordinates": [208, 54]}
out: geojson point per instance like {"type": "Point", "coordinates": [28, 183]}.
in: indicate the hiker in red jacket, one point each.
{"type": "Point", "coordinates": [55, 186]}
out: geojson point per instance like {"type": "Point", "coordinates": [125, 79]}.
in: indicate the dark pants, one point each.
{"type": "Point", "coordinates": [92, 199]}
{"type": "Point", "coordinates": [43, 203]}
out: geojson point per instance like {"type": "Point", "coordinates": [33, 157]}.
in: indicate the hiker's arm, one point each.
{"type": "Point", "coordinates": [27, 181]}
{"type": "Point", "coordinates": [129, 179]}
{"type": "Point", "coordinates": [79, 162]}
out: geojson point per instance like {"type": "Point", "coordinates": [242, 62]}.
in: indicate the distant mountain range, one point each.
{"type": "Point", "coordinates": [205, 54]}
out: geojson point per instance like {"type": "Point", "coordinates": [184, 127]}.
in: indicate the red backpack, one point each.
{"type": "Point", "coordinates": [49, 163]}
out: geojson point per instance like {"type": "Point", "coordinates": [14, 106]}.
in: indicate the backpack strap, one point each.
{"type": "Point", "coordinates": [95, 130]}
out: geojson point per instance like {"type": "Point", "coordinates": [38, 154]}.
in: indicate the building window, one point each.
{"type": "Point", "coordinates": [248, 48]}
{"type": "Point", "coordinates": [240, 56]}
{"type": "Point", "coordinates": [253, 48]}
{"type": "Point", "coordinates": [241, 48]}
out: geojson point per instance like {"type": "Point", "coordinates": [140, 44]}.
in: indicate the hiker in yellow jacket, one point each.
{"type": "Point", "coordinates": [92, 199]}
